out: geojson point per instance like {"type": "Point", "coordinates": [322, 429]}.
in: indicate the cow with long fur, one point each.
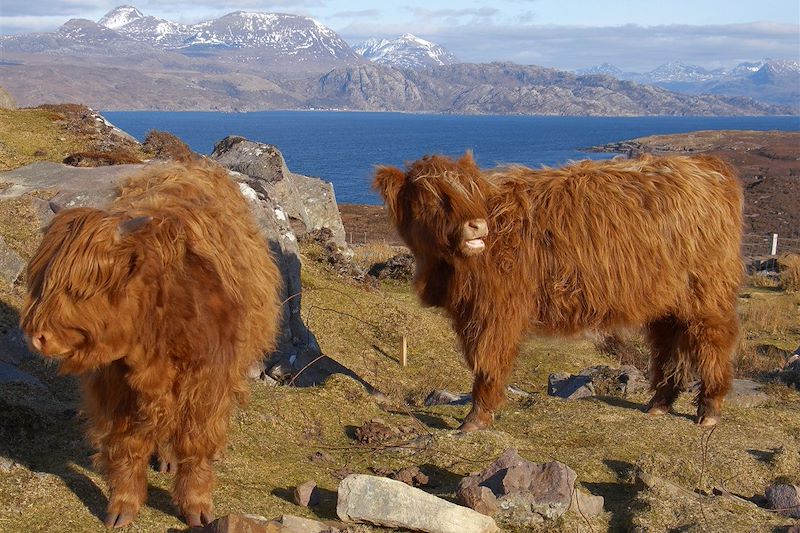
{"type": "Point", "coordinates": [651, 242]}
{"type": "Point", "coordinates": [160, 304]}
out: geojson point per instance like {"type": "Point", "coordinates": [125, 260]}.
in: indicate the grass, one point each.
{"type": "Point", "coordinates": [52, 133]}
{"type": "Point", "coordinates": [790, 272]}
{"type": "Point", "coordinates": [271, 440]}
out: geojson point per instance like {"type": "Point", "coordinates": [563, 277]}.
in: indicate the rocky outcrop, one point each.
{"type": "Point", "coordinates": [277, 198]}
{"type": "Point", "coordinates": [309, 203]}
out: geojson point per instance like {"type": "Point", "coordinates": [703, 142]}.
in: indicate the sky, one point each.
{"type": "Point", "coordinates": [634, 35]}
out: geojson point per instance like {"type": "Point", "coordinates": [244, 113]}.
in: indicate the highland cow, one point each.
{"type": "Point", "coordinates": [160, 304]}
{"type": "Point", "coordinates": [594, 246]}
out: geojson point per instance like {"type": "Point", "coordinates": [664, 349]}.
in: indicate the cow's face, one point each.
{"type": "Point", "coordinates": [438, 206]}
{"type": "Point", "coordinates": [82, 300]}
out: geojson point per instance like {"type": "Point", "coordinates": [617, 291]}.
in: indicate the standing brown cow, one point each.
{"type": "Point", "coordinates": [651, 242]}
{"type": "Point", "coordinates": [160, 304]}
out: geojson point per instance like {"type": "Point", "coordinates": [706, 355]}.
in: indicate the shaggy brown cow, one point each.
{"type": "Point", "coordinates": [593, 246]}
{"type": "Point", "coordinates": [160, 304]}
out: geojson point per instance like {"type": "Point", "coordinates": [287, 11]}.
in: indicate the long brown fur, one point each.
{"type": "Point", "coordinates": [651, 242]}
{"type": "Point", "coordinates": [160, 303]}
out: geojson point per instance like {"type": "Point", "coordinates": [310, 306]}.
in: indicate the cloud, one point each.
{"type": "Point", "coordinates": [630, 47]}
{"type": "Point", "coordinates": [481, 12]}
{"type": "Point", "coordinates": [364, 13]}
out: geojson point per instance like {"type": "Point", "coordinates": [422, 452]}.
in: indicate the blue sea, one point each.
{"type": "Point", "coordinates": [343, 147]}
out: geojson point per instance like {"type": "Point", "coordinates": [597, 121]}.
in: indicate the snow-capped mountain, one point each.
{"type": "Point", "coordinates": [260, 37]}
{"type": "Point", "coordinates": [289, 35]}
{"type": "Point", "coordinates": [120, 16]}
{"type": "Point", "coordinates": [130, 22]}
{"type": "Point", "coordinates": [405, 52]}
{"type": "Point", "coordinates": [768, 80]}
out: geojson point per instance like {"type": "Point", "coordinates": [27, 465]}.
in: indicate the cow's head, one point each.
{"type": "Point", "coordinates": [85, 289]}
{"type": "Point", "coordinates": [438, 205]}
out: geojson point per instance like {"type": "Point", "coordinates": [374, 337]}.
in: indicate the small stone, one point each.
{"type": "Point", "coordinates": [569, 387]}
{"type": "Point", "coordinates": [306, 494]}
{"type": "Point", "coordinates": [255, 370]}
{"type": "Point", "coordinates": [411, 476]}
{"type": "Point", "coordinates": [320, 457]}
{"type": "Point", "coordinates": [374, 431]}
{"type": "Point", "coordinates": [444, 397]}
{"type": "Point", "coordinates": [585, 504]}
{"type": "Point", "coordinates": [784, 499]}
{"type": "Point", "coordinates": [243, 523]}
{"type": "Point", "coordinates": [479, 498]}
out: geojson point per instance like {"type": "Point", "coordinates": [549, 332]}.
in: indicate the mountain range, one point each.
{"type": "Point", "coordinates": [252, 61]}
{"type": "Point", "coordinates": [768, 80]}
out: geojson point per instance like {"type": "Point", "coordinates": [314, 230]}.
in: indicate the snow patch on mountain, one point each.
{"type": "Point", "coordinates": [407, 51]}
{"type": "Point", "coordinates": [119, 17]}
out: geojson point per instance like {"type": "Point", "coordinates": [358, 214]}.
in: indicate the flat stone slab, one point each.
{"type": "Point", "coordinates": [389, 503]}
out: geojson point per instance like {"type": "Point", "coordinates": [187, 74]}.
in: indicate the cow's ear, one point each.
{"type": "Point", "coordinates": [388, 182]}
{"type": "Point", "coordinates": [127, 227]}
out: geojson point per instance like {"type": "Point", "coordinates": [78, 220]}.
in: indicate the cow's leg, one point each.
{"type": "Point", "coordinates": [197, 442]}
{"type": "Point", "coordinates": [491, 356]}
{"type": "Point", "coordinates": [124, 457]}
{"type": "Point", "coordinates": [667, 338]}
{"type": "Point", "coordinates": [712, 342]}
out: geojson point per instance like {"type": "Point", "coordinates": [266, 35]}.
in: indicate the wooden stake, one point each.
{"type": "Point", "coordinates": [404, 354]}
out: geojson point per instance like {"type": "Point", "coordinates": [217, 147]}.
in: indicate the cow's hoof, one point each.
{"type": "Point", "coordinates": [120, 519]}
{"type": "Point", "coordinates": [199, 519]}
{"type": "Point", "coordinates": [707, 421]}
{"type": "Point", "coordinates": [468, 427]}
{"type": "Point", "coordinates": [658, 410]}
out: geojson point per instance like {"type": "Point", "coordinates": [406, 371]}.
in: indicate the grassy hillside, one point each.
{"type": "Point", "coordinates": [274, 437]}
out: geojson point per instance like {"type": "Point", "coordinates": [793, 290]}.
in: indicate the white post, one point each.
{"type": "Point", "coordinates": [774, 244]}
{"type": "Point", "coordinates": [404, 353]}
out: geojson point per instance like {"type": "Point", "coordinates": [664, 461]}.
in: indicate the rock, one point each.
{"type": "Point", "coordinates": [569, 387]}
{"type": "Point", "coordinates": [255, 370]}
{"type": "Point", "coordinates": [790, 374]}
{"type": "Point", "coordinates": [309, 201]}
{"type": "Point", "coordinates": [375, 431]}
{"type": "Point", "coordinates": [746, 393]}
{"type": "Point", "coordinates": [97, 187]}
{"type": "Point", "coordinates": [585, 504]}
{"type": "Point", "coordinates": [389, 503]}
{"type": "Point", "coordinates": [596, 381]}
{"type": "Point", "coordinates": [445, 397]}
{"type": "Point", "coordinates": [11, 264]}
{"type": "Point", "coordinates": [306, 494]}
{"type": "Point", "coordinates": [784, 499]}
{"type": "Point", "coordinates": [479, 498]}
{"type": "Point", "coordinates": [243, 523]}
{"type": "Point", "coordinates": [743, 393]}
{"type": "Point", "coordinates": [526, 492]}
{"type": "Point", "coordinates": [399, 267]}
{"type": "Point", "coordinates": [297, 524]}
{"type": "Point", "coordinates": [258, 160]}
{"type": "Point", "coordinates": [411, 476]}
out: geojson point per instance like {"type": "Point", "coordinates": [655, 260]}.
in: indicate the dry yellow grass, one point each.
{"type": "Point", "coordinates": [28, 135]}
{"type": "Point", "coordinates": [790, 272]}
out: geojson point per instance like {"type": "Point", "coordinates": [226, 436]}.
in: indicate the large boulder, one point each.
{"type": "Point", "coordinates": [309, 203]}
{"type": "Point", "coordinates": [96, 187]}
